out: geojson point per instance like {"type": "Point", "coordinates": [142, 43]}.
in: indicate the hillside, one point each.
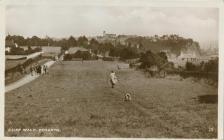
{"type": "Point", "coordinates": [173, 44]}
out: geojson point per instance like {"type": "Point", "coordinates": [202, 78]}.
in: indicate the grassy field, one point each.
{"type": "Point", "coordinates": [75, 49]}
{"type": "Point", "coordinates": [77, 99]}
{"type": "Point", "coordinates": [51, 51]}
{"type": "Point", "coordinates": [48, 50]}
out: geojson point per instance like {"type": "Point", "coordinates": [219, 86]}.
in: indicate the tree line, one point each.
{"type": "Point", "coordinates": [47, 41]}
{"type": "Point", "coordinates": [123, 51]}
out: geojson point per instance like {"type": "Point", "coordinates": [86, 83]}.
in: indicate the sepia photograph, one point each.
{"type": "Point", "coordinates": [111, 71]}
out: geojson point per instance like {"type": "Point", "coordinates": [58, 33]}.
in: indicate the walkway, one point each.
{"type": "Point", "coordinates": [26, 79]}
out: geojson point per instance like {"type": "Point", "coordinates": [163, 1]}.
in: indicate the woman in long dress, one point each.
{"type": "Point", "coordinates": [113, 79]}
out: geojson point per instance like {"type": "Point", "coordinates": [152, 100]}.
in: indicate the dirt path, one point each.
{"type": "Point", "coordinates": [26, 79]}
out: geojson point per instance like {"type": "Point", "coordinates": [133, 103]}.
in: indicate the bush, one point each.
{"type": "Point", "coordinates": [85, 55]}
{"type": "Point", "coordinates": [67, 57]}
{"type": "Point", "coordinates": [124, 53]}
{"type": "Point", "coordinates": [211, 66]}
{"type": "Point", "coordinates": [208, 70]}
{"type": "Point", "coordinates": [148, 59]}
{"type": "Point", "coordinates": [191, 67]}
{"type": "Point", "coordinates": [17, 51]}
{"type": "Point", "coordinates": [129, 53]}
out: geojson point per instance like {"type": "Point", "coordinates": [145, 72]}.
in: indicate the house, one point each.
{"type": "Point", "coordinates": [107, 38]}
{"type": "Point", "coordinates": [183, 58]}
{"type": "Point", "coordinates": [105, 35]}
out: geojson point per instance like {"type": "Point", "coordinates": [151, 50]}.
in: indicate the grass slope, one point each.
{"type": "Point", "coordinates": [77, 99]}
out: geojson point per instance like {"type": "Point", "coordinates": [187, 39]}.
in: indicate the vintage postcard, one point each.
{"type": "Point", "coordinates": [110, 70]}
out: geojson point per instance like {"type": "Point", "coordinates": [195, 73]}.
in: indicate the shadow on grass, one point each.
{"type": "Point", "coordinates": [208, 99]}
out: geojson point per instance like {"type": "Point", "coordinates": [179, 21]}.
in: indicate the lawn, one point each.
{"type": "Point", "coordinates": [77, 99]}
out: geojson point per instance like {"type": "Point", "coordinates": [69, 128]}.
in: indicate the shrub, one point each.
{"type": "Point", "coordinates": [208, 70]}
{"type": "Point", "coordinates": [211, 66]}
{"type": "Point", "coordinates": [67, 57]}
{"type": "Point", "coordinates": [85, 55]}
{"type": "Point", "coordinates": [148, 59]}
{"type": "Point", "coordinates": [17, 51]}
{"type": "Point", "coordinates": [191, 67]}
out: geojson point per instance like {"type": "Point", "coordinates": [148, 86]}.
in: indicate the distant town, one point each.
{"type": "Point", "coordinates": [178, 49]}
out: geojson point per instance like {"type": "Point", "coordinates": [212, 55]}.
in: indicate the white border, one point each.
{"type": "Point", "coordinates": [221, 73]}
{"type": "Point", "coordinates": [150, 3]}
{"type": "Point", "coordinates": [2, 61]}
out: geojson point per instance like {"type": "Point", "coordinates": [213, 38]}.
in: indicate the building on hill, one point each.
{"type": "Point", "coordinates": [108, 35]}
{"type": "Point", "coordinates": [184, 57]}
{"type": "Point", "coordinates": [189, 56]}
{"type": "Point", "coordinates": [111, 38]}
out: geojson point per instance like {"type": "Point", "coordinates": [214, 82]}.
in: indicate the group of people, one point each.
{"type": "Point", "coordinates": [38, 69]}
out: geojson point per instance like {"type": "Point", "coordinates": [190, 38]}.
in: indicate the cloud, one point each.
{"type": "Point", "coordinates": [201, 24]}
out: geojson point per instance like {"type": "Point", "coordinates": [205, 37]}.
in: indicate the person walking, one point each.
{"type": "Point", "coordinates": [31, 70]}
{"type": "Point", "coordinates": [39, 69]}
{"type": "Point", "coordinates": [45, 69]}
{"type": "Point", "coordinates": [113, 79]}
{"type": "Point", "coordinates": [42, 69]}
{"type": "Point", "coordinates": [22, 69]}
{"type": "Point", "coordinates": [36, 69]}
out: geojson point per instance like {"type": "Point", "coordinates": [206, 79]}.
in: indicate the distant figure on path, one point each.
{"type": "Point", "coordinates": [113, 79]}
{"type": "Point", "coordinates": [118, 67]}
{"type": "Point", "coordinates": [32, 70]}
{"type": "Point", "coordinates": [39, 69]}
{"type": "Point", "coordinates": [42, 69]}
{"type": "Point", "coordinates": [22, 69]}
{"type": "Point", "coordinates": [36, 68]}
{"type": "Point", "coordinates": [45, 69]}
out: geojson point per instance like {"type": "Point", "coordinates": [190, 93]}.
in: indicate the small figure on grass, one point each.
{"type": "Point", "coordinates": [32, 70]}
{"type": "Point", "coordinates": [45, 69]}
{"type": "Point", "coordinates": [113, 79]}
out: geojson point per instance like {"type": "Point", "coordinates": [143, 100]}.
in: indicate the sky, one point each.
{"type": "Point", "coordinates": [200, 24]}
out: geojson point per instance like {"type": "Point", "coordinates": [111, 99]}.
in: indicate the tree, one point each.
{"type": "Point", "coordinates": [82, 41]}
{"type": "Point", "coordinates": [115, 51]}
{"type": "Point", "coordinates": [72, 42]}
{"type": "Point", "coordinates": [94, 42]}
{"type": "Point", "coordinates": [20, 40]}
{"type": "Point", "coordinates": [149, 58]}
{"type": "Point", "coordinates": [94, 46]}
{"type": "Point", "coordinates": [129, 53]}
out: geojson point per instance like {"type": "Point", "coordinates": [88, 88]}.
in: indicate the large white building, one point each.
{"type": "Point", "coordinates": [188, 56]}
